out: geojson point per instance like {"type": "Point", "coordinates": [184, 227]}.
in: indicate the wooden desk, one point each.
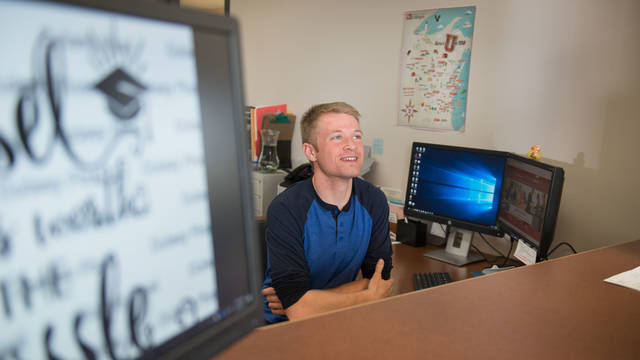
{"type": "Point", "coordinates": [408, 260]}
{"type": "Point", "coordinates": [560, 309]}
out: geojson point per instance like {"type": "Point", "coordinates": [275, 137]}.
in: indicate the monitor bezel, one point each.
{"type": "Point", "coordinates": [198, 341]}
{"type": "Point", "coordinates": [443, 219]}
{"type": "Point", "coordinates": [550, 217]}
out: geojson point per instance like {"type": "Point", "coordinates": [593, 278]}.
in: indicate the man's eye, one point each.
{"type": "Point", "coordinates": [336, 137]}
{"type": "Point", "coordinates": [357, 137]}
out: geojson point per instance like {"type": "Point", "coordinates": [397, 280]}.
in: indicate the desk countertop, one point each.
{"type": "Point", "coordinates": [408, 260]}
{"type": "Point", "coordinates": [556, 309]}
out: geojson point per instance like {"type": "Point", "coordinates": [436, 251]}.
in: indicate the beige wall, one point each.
{"type": "Point", "coordinates": [563, 74]}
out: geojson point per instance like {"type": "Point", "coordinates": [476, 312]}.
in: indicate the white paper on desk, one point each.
{"type": "Point", "coordinates": [630, 279]}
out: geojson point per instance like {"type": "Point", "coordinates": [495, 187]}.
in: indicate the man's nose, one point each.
{"type": "Point", "coordinates": [350, 143]}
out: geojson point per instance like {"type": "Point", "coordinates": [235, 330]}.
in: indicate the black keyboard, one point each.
{"type": "Point", "coordinates": [427, 280]}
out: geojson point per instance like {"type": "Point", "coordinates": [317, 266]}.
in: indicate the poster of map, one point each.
{"type": "Point", "coordinates": [436, 54]}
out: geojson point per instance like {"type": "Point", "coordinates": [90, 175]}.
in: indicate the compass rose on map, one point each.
{"type": "Point", "coordinates": [409, 110]}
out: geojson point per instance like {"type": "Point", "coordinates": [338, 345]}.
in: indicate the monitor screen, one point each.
{"type": "Point", "coordinates": [530, 199]}
{"type": "Point", "coordinates": [456, 186]}
{"type": "Point", "coordinates": [126, 226]}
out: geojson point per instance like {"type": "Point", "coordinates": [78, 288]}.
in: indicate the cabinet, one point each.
{"type": "Point", "coordinates": [265, 189]}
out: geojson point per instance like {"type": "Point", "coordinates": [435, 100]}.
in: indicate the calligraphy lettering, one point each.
{"type": "Point", "coordinates": [12, 352]}
{"type": "Point", "coordinates": [108, 300]}
{"type": "Point", "coordinates": [25, 290]}
{"type": "Point", "coordinates": [28, 116]}
{"type": "Point", "coordinates": [137, 312]}
{"type": "Point", "coordinates": [48, 335]}
{"type": "Point", "coordinates": [49, 284]}
{"type": "Point", "coordinates": [187, 312]}
{"type": "Point", "coordinates": [90, 215]}
{"type": "Point", "coordinates": [88, 353]}
{"type": "Point", "coordinates": [5, 243]}
{"type": "Point", "coordinates": [7, 158]}
{"type": "Point", "coordinates": [27, 119]}
{"type": "Point", "coordinates": [6, 305]}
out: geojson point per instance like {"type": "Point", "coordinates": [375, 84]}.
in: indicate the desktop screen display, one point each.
{"type": "Point", "coordinates": [125, 225]}
{"type": "Point", "coordinates": [454, 185]}
{"type": "Point", "coordinates": [530, 200]}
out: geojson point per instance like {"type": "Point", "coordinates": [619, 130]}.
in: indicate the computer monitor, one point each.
{"type": "Point", "coordinates": [530, 201]}
{"type": "Point", "coordinates": [459, 187]}
{"type": "Point", "coordinates": [126, 223]}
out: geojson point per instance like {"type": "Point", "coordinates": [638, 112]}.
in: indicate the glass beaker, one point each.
{"type": "Point", "coordinates": [268, 161]}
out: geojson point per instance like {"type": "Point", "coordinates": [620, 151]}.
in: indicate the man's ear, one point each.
{"type": "Point", "coordinates": [309, 151]}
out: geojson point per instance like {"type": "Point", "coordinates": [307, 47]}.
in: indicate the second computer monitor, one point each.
{"type": "Point", "coordinates": [530, 200]}
{"type": "Point", "coordinates": [126, 216]}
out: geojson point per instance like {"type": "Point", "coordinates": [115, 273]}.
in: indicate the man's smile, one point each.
{"type": "Point", "coordinates": [349, 158]}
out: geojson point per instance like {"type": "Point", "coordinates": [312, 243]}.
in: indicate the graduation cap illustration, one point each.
{"type": "Point", "coordinates": [122, 92]}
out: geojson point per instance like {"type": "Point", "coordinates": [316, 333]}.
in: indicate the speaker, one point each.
{"type": "Point", "coordinates": [284, 154]}
{"type": "Point", "coordinates": [411, 233]}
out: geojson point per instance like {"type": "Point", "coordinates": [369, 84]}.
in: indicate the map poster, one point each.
{"type": "Point", "coordinates": [436, 54]}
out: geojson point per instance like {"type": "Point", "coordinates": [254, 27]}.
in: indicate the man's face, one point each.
{"type": "Point", "coordinates": [339, 148]}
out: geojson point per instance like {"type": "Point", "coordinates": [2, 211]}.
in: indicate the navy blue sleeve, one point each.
{"type": "Point", "coordinates": [290, 272]}
{"type": "Point", "coordinates": [380, 242]}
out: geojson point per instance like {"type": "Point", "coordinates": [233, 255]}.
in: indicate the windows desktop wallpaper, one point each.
{"type": "Point", "coordinates": [459, 184]}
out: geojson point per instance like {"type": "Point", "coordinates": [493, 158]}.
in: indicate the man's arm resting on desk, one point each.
{"type": "Point", "coordinates": [356, 285]}
{"type": "Point", "coordinates": [275, 304]}
{"type": "Point", "coordinates": [319, 301]}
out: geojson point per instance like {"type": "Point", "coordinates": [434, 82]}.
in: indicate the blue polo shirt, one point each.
{"type": "Point", "coordinates": [314, 245]}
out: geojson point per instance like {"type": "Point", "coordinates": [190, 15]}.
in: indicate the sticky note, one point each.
{"type": "Point", "coordinates": [377, 146]}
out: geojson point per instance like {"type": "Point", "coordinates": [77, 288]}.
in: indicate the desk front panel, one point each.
{"type": "Point", "coordinates": [558, 309]}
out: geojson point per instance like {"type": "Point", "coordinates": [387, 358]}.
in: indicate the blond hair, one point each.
{"type": "Point", "coordinates": [310, 118]}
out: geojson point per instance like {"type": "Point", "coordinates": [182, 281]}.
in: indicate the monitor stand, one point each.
{"type": "Point", "coordinates": [458, 250]}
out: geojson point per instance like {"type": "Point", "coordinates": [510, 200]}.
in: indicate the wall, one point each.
{"type": "Point", "coordinates": [564, 75]}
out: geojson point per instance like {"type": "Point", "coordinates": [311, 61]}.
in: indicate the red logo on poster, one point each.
{"type": "Point", "coordinates": [451, 42]}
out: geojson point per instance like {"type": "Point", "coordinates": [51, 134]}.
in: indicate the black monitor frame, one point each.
{"type": "Point", "coordinates": [229, 192]}
{"type": "Point", "coordinates": [442, 219]}
{"type": "Point", "coordinates": [551, 210]}
{"type": "Point", "coordinates": [460, 231]}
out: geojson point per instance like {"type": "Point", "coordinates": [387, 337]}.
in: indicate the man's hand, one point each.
{"type": "Point", "coordinates": [273, 301]}
{"type": "Point", "coordinates": [379, 288]}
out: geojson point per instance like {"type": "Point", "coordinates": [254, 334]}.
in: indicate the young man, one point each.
{"type": "Point", "coordinates": [322, 231]}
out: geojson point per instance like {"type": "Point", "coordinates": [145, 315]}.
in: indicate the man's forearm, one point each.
{"type": "Point", "coordinates": [319, 301]}
{"type": "Point", "coordinates": [357, 285]}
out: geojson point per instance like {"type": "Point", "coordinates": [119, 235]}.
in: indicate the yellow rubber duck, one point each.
{"type": "Point", "coordinates": [535, 152]}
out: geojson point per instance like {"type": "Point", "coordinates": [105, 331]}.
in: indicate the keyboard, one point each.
{"type": "Point", "coordinates": [427, 280]}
